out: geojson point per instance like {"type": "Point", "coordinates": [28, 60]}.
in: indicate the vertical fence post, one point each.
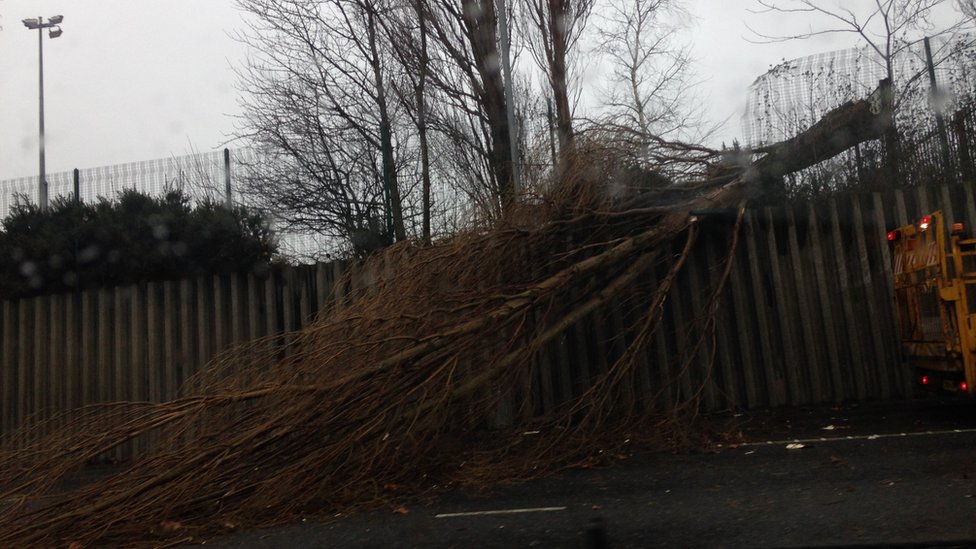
{"type": "Point", "coordinates": [89, 339]}
{"type": "Point", "coordinates": [121, 367]}
{"type": "Point", "coordinates": [76, 187]}
{"type": "Point", "coordinates": [288, 304]}
{"type": "Point", "coordinates": [965, 149]}
{"type": "Point", "coordinates": [890, 137]}
{"type": "Point", "coordinates": [271, 305]}
{"type": "Point", "coordinates": [939, 119]}
{"type": "Point", "coordinates": [702, 377]}
{"type": "Point", "coordinates": [103, 382]}
{"type": "Point", "coordinates": [205, 332]}
{"type": "Point", "coordinates": [724, 335]}
{"type": "Point", "coordinates": [775, 384]}
{"type": "Point", "coordinates": [875, 292]}
{"type": "Point", "coordinates": [784, 311]}
{"type": "Point", "coordinates": [254, 307]}
{"type": "Point", "coordinates": [188, 361]}
{"type": "Point", "coordinates": [849, 328]}
{"type": "Point", "coordinates": [23, 359]}
{"type": "Point", "coordinates": [220, 316]}
{"type": "Point", "coordinates": [8, 356]}
{"type": "Point", "coordinates": [828, 302]}
{"type": "Point", "coordinates": [305, 298]}
{"type": "Point", "coordinates": [228, 198]}
{"type": "Point", "coordinates": [138, 370]}
{"type": "Point", "coordinates": [322, 287]}
{"type": "Point", "coordinates": [72, 346]}
{"type": "Point", "coordinates": [41, 384]}
{"type": "Point", "coordinates": [237, 321]}
{"type": "Point", "coordinates": [805, 300]}
{"type": "Point", "coordinates": [885, 286]}
{"type": "Point", "coordinates": [57, 367]}
{"type": "Point", "coordinates": [339, 291]}
{"type": "Point", "coordinates": [154, 342]}
{"type": "Point", "coordinates": [742, 313]}
{"type": "Point", "coordinates": [170, 341]}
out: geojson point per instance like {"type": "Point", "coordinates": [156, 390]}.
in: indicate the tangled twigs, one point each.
{"type": "Point", "coordinates": [382, 397]}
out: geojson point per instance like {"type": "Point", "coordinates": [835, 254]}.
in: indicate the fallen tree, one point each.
{"type": "Point", "coordinates": [387, 396]}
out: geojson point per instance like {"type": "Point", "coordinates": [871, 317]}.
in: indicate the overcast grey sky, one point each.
{"type": "Point", "coordinates": [134, 80]}
{"type": "Point", "coordinates": [128, 80]}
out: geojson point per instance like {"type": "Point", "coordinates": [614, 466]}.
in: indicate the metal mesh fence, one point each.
{"type": "Point", "coordinates": [941, 155]}
{"type": "Point", "coordinates": [202, 176]}
{"type": "Point", "coordinates": [795, 94]}
{"type": "Point", "coordinates": [930, 155]}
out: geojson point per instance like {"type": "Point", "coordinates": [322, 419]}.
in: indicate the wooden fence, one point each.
{"type": "Point", "coordinates": [806, 317]}
{"type": "Point", "coordinates": [141, 342]}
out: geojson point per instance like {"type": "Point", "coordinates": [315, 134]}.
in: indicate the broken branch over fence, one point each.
{"type": "Point", "coordinates": [140, 343]}
{"type": "Point", "coordinates": [394, 384]}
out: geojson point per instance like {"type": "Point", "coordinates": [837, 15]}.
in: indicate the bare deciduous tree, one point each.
{"type": "Point", "coordinates": [467, 76]}
{"type": "Point", "coordinates": [552, 29]}
{"type": "Point", "coordinates": [650, 91]}
{"type": "Point", "coordinates": [315, 108]}
{"type": "Point", "coordinates": [406, 32]}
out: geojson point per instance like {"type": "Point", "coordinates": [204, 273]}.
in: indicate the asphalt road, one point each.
{"type": "Point", "coordinates": [873, 475]}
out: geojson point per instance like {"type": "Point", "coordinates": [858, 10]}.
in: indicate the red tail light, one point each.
{"type": "Point", "coordinates": [957, 228]}
{"type": "Point", "coordinates": [893, 235]}
{"type": "Point", "coordinates": [963, 386]}
{"type": "Point", "coordinates": [925, 380]}
{"type": "Point", "coordinates": [925, 222]}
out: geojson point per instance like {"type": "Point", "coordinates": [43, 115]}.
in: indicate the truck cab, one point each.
{"type": "Point", "coordinates": [934, 269]}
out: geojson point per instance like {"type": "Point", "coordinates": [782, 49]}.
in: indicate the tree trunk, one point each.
{"type": "Point", "coordinates": [558, 72]}
{"type": "Point", "coordinates": [422, 122]}
{"type": "Point", "coordinates": [890, 134]}
{"type": "Point", "coordinates": [386, 134]}
{"type": "Point", "coordinates": [840, 129]}
{"type": "Point", "coordinates": [481, 20]}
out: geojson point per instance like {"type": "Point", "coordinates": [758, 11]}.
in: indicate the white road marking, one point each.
{"type": "Point", "coordinates": [501, 512]}
{"type": "Point", "coordinates": [855, 437]}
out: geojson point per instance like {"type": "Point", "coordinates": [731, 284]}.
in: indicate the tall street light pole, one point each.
{"type": "Point", "coordinates": [54, 32]}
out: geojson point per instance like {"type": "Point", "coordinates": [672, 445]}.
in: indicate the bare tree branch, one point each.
{"type": "Point", "coordinates": [315, 110]}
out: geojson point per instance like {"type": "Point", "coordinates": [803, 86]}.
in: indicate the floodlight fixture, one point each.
{"type": "Point", "coordinates": [31, 23]}
{"type": "Point", "coordinates": [54, 33]}
{"type": "Point", "coordinates": [56, 20]}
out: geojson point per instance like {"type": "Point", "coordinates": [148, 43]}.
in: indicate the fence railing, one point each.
{"type": "Point", "coordinates": [937, 156]}
{"type": "Point", "coordinates": [807, 317]}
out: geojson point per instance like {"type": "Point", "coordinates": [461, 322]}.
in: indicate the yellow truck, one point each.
{"type": "Point", "coordinates": [935, 297]}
